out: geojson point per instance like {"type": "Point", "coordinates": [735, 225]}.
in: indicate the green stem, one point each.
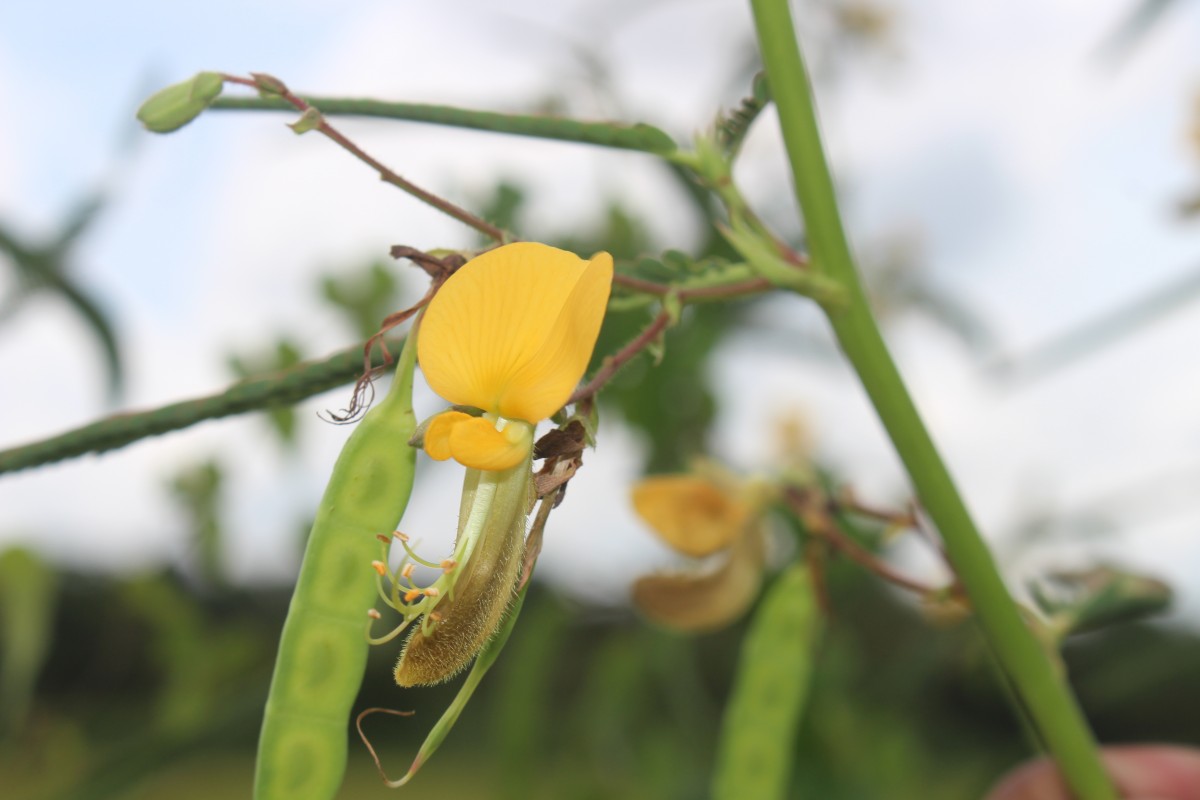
{"type": "Point", "coordinates": [639, 136]}
{"type": "Point", "coordinates": [279, 389]}
{"type": "Point", "coordinates": [1054, 710]}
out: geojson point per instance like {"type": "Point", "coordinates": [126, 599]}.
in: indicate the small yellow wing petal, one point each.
{"type": "Point", "coordinates": [475, 442]}
{"type": "Point", "coordinates": [437, 435]}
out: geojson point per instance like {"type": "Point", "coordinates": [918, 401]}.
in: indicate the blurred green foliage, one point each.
{"type": "Point", "coordinates": [161, 684]}
{"type": "Point", "coordinates": [46, 267]}
{"type": "Point", "coordinates": [27, 597]}
{"type": "Point", "coordinates": [286, 353]}
{"type": "Point", "coordinates": [364, 297]}
{"type": "Point", "coordinates": [197, 489]}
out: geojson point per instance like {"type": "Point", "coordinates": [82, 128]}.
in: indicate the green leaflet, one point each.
{"type": "Point", "coordinates": [754, 755]}
{"type": "Point", "coordinates": [733, 125]}
{"type": "Point", "coordinates": [1087, 600]}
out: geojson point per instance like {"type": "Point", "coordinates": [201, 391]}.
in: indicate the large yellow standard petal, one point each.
{"type": "Point", "coordinates": [691, 513]}
{"type": "Point", "coordinates": [513, 330]}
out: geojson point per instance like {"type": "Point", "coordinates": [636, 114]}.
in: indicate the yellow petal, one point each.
{"type": "Point", "coordinates": [437, 435]}
{"type": "Point", "coordinates": [512, 331]}
{"type": "Point", "coordinates": [690, 513]}
{"type": "Point", "coordinates": [704, 602]}
{"type": "Point", "coordinates": [544, 383]}
{"type": "Point", "coordinates": [475, 442]}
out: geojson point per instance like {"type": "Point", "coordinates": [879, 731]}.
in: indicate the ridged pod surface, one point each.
{"type": "Point", "coordinates": [323, 649]}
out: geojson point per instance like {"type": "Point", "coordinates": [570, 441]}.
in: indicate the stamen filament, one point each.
{"type": "Point", "coordinates": [387, 637]}
{"type": "Point", "coordinates": [390, 602]}
{"type": "Point", "coordinates": [415, 557]}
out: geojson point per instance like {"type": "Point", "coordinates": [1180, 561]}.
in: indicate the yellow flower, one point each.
{"type": "Point", "coordinates": [510, 333]}
{"type": "Point", "coordinates": [702, 515]}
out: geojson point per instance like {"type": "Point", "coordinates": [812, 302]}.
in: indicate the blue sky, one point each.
{"type": "Point", "coordinates": [1037, 181]}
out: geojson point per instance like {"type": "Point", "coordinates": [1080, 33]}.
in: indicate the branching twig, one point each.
{"type": "Point", "coordinates": [725, 291]}
{"type": "Point", "coordinates": [614, 363]}
{"type": "Point", "coordinates": [276, 86]}
{"type": "Point", "coordinates": [813, 510]}
{"type": "Point", "coordinates": [846, 501]}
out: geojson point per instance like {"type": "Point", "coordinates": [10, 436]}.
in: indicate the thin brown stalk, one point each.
{"type": "Point", "coordinates": [276, 86]}
{"type": "Point", "coordinates": [614, 363]}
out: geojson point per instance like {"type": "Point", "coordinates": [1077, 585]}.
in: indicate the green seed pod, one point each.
{"type": "Point", "coordinates": [171, 108]}
{"type": "Point", "coordinates": [492, 531]}
{"type": "Point", "coordinates": [322, 653]}
{"type": "Point", "coordinates": [754, 756]}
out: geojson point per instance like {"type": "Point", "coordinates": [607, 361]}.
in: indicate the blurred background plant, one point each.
{"type": "Point", "coordinates": [144, 677]}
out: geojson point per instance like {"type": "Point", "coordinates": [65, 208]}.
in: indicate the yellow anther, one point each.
{"type": "Point", "coordinates": [407, 571]}
{"type": "Point", "coordinates": [411, 595]}
{"type": "Point", "coordinates": [373, 614]}
{"type": "Point", "coordinates": [436, 616]}
{"type": "Point", "coordinates": [432, 592]}
{"type": "Point", "coordinates": [383, 537]}
{"type": "Point", "coordinates": [448, 564]}
{"type": "Point", "coordinates": [379, 567]}
{"type": "Point", "coordinates": [401, 536]}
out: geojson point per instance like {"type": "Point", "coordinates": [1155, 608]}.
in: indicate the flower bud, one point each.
{"type": "Point", "coordinates": [175, 106]}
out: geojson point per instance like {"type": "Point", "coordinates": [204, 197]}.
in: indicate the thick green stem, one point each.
{"type": "Point", "coordinates": [1047, 698]}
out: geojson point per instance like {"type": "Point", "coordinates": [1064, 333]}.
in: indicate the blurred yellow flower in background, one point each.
{"type": "Point", "coordinates": [709, 513]}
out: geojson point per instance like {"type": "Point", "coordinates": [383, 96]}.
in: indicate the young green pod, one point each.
{"type": "Point", "coordinates": [322, 653]}
{"type": "Point", "coordinates": [754, 756]}
{"type": "Point", "coordinates": [171, 108]}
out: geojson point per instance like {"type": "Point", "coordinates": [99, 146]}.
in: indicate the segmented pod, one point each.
{"type": "Point", "coordinates": [322, 652]}
{"type": "Point", "coordinates": [754, 756]}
